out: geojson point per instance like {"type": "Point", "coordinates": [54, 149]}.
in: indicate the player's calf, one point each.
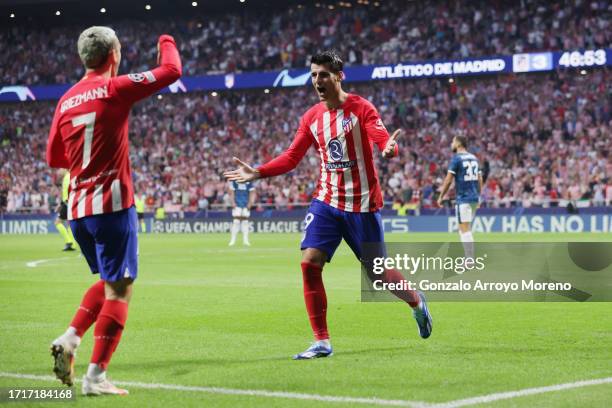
{"type": "Point", "coordinates": [107, 335]}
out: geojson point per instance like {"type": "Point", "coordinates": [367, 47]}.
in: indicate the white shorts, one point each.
{"type": "Point", "coordinates": [465, 212]}
{"type": "Point", "coordinates": [241, 212]}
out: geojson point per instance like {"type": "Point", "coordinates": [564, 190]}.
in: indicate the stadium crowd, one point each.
{"type": "Point", "coordinates": [385, 32]}
{"type": "Point", "coordinates": [541, 137]}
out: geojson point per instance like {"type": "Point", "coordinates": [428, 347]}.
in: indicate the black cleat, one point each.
{"type": "Point", "coordinates": [68, 247]}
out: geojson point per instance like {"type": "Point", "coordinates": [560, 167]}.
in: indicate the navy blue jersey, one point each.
{"type": "Point", "coordinates": [464, 166]}
{"type": "Point", "coordinates": [241, 193]}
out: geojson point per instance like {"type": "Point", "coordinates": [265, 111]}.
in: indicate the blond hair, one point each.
{"type": "Point", "coordinates": [94, 45]}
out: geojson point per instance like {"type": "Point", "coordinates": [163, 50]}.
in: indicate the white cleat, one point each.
{"type": "Point", "coordinates": [102, 386]}
{"type": "Point", "coordinates": [64, 352]}
{"type": "Point", "coordinates": [232, 243]}
{"type": "Point", "coordinates": [247, 243]}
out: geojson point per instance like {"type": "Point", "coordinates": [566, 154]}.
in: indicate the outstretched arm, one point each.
{"type": "Point", "coordinates": [282, 164]}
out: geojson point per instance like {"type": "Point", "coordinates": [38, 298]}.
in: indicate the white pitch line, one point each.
{"type": "Point", "coordinates": [346, 400]}
{"type": "Point", "coordinates": [34, 264]}
{"type": "Point", "coordinates": [234, 391]}
{"type": "Point", "coordinates": [521, 393]}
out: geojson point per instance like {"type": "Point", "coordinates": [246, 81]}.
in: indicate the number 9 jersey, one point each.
{"type": "Point", "coordinates": [89, 134]}
{"type": "Point", "coordinates": [465, 168]}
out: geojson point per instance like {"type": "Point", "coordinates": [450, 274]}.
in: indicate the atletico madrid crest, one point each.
{"type": "Point", "coordinates": [347, 125]}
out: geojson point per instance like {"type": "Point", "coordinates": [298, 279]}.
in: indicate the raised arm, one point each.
{"type": "Point", "coordinates": [134, 87]}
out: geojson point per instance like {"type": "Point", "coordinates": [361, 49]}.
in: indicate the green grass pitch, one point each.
{"type": "Point", "coordinates": [207, 315]}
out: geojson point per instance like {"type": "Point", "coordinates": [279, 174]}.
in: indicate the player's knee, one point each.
{"type": "Point", "coordinates": [120, 290]}
{"type": "Point", "coordinates": [314, 256]}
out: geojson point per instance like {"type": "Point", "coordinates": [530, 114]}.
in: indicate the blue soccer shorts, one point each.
{"type": "Point", "coordinates": [326, 226]}
{"type": "Point", "coordinates": [109, 243]}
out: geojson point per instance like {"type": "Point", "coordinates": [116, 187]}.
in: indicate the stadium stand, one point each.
{"type": "Point", "coordinates": [544, 138]}
{"type": "Point", "coordinates": [377, 33]}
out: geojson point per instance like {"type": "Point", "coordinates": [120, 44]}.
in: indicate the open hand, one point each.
{"type": "Point", "coordinates": [242, 174]}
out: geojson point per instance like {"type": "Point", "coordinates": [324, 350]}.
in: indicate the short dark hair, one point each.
{"type": "Point", "coordinates": [462, 141]}
{"type": "Point", "coordinates": [329, 58]}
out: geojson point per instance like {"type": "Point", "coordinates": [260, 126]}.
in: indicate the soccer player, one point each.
{"type": "Point", "coordinates": [139, 203]}
{"type": "Point", "coordinates": [89, 136]}
{"type": "Point", "coordinates": [464, 169]}
{"type": "Point", "coordinates": [62, 214]}
{"type": "Point", "coordinates": [343, 128]}
{"type": "Point", "coordinates": [242, 196]}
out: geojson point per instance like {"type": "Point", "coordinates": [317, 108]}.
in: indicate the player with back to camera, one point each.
{"type": "Point", "coordinates": [242, 197]}
{"type": "Point", "coordinates": [465, 170]}
{"type": "Point", "coordinates": [343, 128]}
{"type": "Point", "coordinates": [89, 136]}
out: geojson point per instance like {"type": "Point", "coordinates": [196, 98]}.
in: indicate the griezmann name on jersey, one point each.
{"type": "Point", "coordinates": [89, 134]}
{"type": "Point", "coordinates": [344, 139]}
{"type": "Point", "coordinates": [465, 168]}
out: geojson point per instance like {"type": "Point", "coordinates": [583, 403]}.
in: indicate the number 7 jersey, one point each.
{"type": "Point", "coordinates": [89, 134]}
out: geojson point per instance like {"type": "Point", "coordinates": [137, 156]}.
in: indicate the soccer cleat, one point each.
{"type": "Point", "coordinates": [232, 243]}
{"type": "Point", "coordinates": [422, 317]}
{"type": "Point", "coordinates": [102, 386]}
{"type": "Point", "coordinates": [316, 350]}
{"type": "Point", "coordinates": [68, 247]}
{"type": "Point", "coordinates": [246, 243]}
{"type": "Point", "coordinates": [63, 367]}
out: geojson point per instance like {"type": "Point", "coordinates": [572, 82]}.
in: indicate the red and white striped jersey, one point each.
{"type": "Point", "coordinates": [344, 139]}
{"type": "Point", "coordinates": [89, 134]}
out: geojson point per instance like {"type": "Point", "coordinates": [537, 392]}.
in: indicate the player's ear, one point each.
{"type": "Point", "coordinates": [341, 76]}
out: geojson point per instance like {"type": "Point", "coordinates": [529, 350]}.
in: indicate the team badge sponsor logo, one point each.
{"type": "Point", "coordinates": [336, 152]}
{"type": "Point", "coordinates": [347, 125]}
{"type": "Point", "coordinates": [379, 124]}
{"type": "Point", "coordinates": [137, 77]}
